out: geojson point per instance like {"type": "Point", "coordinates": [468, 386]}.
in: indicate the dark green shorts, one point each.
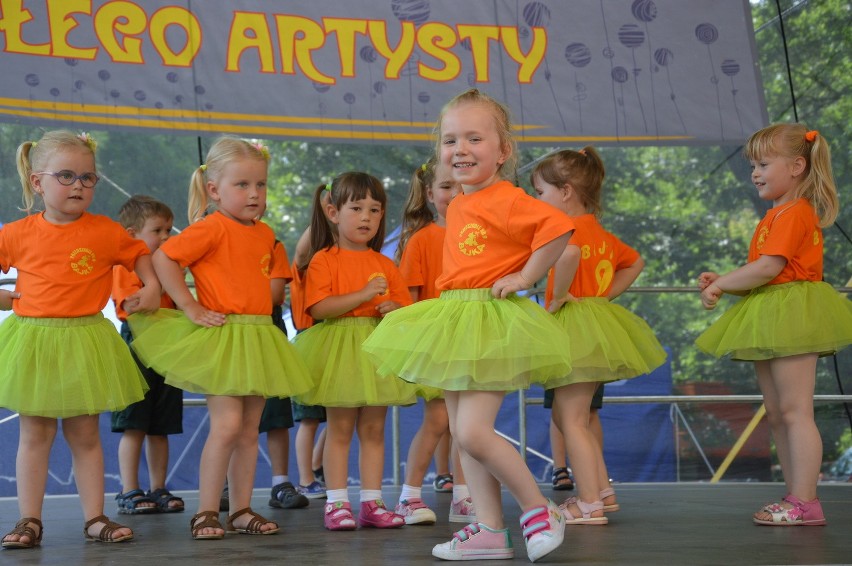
{"type": "Point", "coordinates": [276, 414]}
{"type": "Point", "coordinates": [597, 400]}
{"type": "Point", "coordinates": [308, 412]}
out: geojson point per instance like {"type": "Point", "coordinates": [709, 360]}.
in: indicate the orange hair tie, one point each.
{"type": "Point", "coordinates": [811, 136]}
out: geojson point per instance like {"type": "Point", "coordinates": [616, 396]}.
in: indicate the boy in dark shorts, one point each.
{"type": "Point", "coordinates": [160, 413]}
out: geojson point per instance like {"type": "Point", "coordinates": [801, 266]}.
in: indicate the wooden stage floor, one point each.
{"type": "Point", "coordinates": [670, 524]}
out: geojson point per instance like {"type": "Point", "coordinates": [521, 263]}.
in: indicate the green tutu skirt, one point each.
{"type": "Point", "coordinates": [248, 355]}
{"type": "Point", "coordinates": [468, 340]}
{"type": "Point", "coordinates": [343, 375]}
{"type": "Point", "coordinates": [775, 321]}
{"type": "Point", "coordinates": [66, 367]}
{"type": "Point", "coordinates": [607, 342]}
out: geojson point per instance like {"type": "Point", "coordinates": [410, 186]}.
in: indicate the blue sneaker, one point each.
{"type": "Point", "coordinates": [314, 490]}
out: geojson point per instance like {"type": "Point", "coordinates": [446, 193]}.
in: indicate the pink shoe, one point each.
{"type": "Point", "coordinates": [476, 542]}
{"type": "Point", "coordinates": [415, 512]}
{"type": "Point", "coordinates": [338, 516]}
{"type": "Point", "coordinates": [462, 511]}
{"type": "Point", "coordinates": [375, 514]}
{"type": "Point", "coordinates": [611, 507]}
{"type": "Point", "coordinates": [586, 510]}
{"type": "Point", "coordinates": [802, 514]}
{"type": "Point", "coordinates": [544, 530]}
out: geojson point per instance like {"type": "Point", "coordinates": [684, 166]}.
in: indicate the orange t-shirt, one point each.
{"type": "Point", "coordinates": [492, 232]}
{"type": "Point", "coordinates": [601, 255]}
{"type": "Point", "coordinates": [337, 272]}
{"type": "Point", "coordinates": [301, 320]}
{"type": "Point", "coordinates": [65, 270]}
{"type": "Point", "coordinates": [230, 262]}
{"type": "Point", "coordinates": [791, 231]}
{"type": "Point", "coordinates": [420, 264]}
{"type": "Point", "coordinates": [280, 267]}
{"type": "Point", "coordinates": [124, 284]}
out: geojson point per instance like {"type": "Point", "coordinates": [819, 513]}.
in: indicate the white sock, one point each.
{"type": "Point", "coordinates": [279, 479]}
{"type": "Point", "coordinates": [338, 495]}
{"type": "Point", "coordinates": [460, 492]}
{"type": "Point", "coordinates": [370, 495]}
{"type": "Point", "coordinates": [410, 492]}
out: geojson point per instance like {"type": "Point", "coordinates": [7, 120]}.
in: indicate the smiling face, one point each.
{"type": "Point", "coordinates": [776, 178]}
{"type": "Point", "coordinates": [471, 146]}
{"type": "Point", "coordinates": [65, 204]}
{"type": "Point", "coordinates": [443, 189]}
{"type": "Point", "coordinates": [240, 190]}
{"type": "Point", "coordinates": [357, 222]}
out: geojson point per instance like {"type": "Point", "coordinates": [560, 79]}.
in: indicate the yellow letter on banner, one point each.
{"type": "Point", "coordinates": [397, 58]}
{"type": "Point", "coordinates": [529, 61]}
{"type": "Point", "coordinates": [299, 36]}
{"type": "Point", "coordinates": [250, 31]}
{"type": "Point", "coordinates": [479, 36]}
{"type": "Point", "coordinates": [346, 31]}
{"type": "Point", "coordinates": [174, 15]}
{"type": "Point", "coordinates": [62, 22]}
{"type": "Point", "coordinates": [126, 19]}
{"type": "Point", "coordinates": [13, 18]}
{"type": "Point", "coordinates": [436, 39]}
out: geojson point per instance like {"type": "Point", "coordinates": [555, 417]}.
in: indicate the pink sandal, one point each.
{"type": "Point", "coordinates": [338, 516]}
{"type": "Point", "coordinates": [802, 514]}
{"type": "Point", "coordinates": [375, 514]}
{"type": "Point", "coordinates": [586, 510]}
{"type": "Point", "coordinates": [612, 507]}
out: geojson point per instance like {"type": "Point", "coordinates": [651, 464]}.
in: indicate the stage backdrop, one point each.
{"type": "Point", "coordinates": [584, 71]}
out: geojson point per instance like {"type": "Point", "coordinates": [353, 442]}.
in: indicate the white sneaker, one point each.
{"type": "Point", "coordinates": [415, 512]}
{"type": "Point", "coordinates": [544, 529]}
{"type": "Point", "coordinates": [476, 542]}
{"type": "Point", "coordinates": [462, 511]}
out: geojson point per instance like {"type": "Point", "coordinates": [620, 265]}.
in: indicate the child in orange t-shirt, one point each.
{"type": "Point", "coordinates": [606, 341]}
{"type": "Point", "coordinates": [224, 344]}
{"type": "Point", "coordinates": [421, 244]}
{"type": "Point", "coordinates": [160, 413]}
{"type": "Point", "coordinates": [59, 357]}
{"type": "Point", "coordinates": [349, 287]}
{"type": "Point", "coordinates": [788, 316]}
{"type": "Point", "coordinates": [479, 339]}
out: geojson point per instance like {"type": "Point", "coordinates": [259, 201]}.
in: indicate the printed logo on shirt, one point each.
{"type": "Point", "coordinates": [604, 273]}
{"type": "Point", "coordinates": [761, 236]}
{"type": "Point", "coordinates": [83, 261]}
{"type": "Point", "coordinates": [264, 265]}
{"type": "Point", "coordinates": [472, 236]}
{"type": "Point", "coordinates": [379, 274]}
{"type": "Point", "coordinates": [816, 237]}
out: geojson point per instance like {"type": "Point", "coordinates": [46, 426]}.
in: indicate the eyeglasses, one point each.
{"type": "Point", "coordinates": [68, 178]}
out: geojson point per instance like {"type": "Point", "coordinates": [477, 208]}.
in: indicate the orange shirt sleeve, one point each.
{"type": "Point", "coordinates": [280, 268]}
{"type": "Point", "coordinates": [124, 284]}
{"type": "Point", "coordinates": [791, 231]}
{"type": "Point", "coordinates": [420, 264]}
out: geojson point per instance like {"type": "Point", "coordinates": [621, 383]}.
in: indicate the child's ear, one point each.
{"type": "Point", "coordinates": [331, 213]}
{"type": "Point", "coordinates": [212, 191]}
{"type": "Point", "coordinates": [35, 183]}
{"type": "Point", "coordinates": [567, 192]}
{"type": "Point", "coordinates": [798, 166]}
{"type": "Point", "coordinates": [132, 231]}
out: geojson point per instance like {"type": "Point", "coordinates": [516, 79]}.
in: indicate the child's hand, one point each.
{"type": "Point", "coordinates": [710, 296]}
{"type": "Point", "coordinates": [556, 304]}
{"type": "Point", "coordinates": [203, 316]}
{"type": "Point", "coordinates": [375, 287]}
{"type": "Point", "coordinates": [387, 306]}
{"type": "Point", "coordinates": [706, 279]}
{"type": "Point", "coordinates": [6, 299]}
{"type": "Point", "coordinates": [146, 299]}
{"type": "Point", "coordinates": [511, 283]}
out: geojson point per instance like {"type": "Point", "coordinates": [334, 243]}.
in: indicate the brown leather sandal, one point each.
{"type": "Point", "coordinates": [209, 519]}
{"type": "Point", "coordinates": [22, 529]}
{"type": "Point", "coordinates": [253, 527]}
{"type": "Point", "coordinates": [105, 535]}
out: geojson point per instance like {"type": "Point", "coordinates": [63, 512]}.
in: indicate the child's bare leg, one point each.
{"type": "Point", "coordinates": [795, 378]}
{"type": "Point", "coordinates": [129, 454]}
{"type": "Point", "coordinates": [340, 425]}
{"type": "Point", "coordinates": [319, 449]}
{"type": "Point", "coordinates": [573, 402]}
{"type": "Point", "coordinates": [243, 461]}
{"type": "Point", "coordinates": [371, 438]}
{"type": "Point", "coordinates": [772, 403]}
{"type": "Point", "coordinates": [603, 474]}
{"type": "Point", "coordinates": [87, 459]}
{"type": "Point", "coordinates": [557, 441]}
{"type": "Point", "coordinates": [458, 471]}
{"type": "Point", "coordinates": [157, 454]}
{"type": "Point", "coordinates": [488, 459]}
{"type": "Point", "coordinates": [304, 449]}
{"type": "Point", "coordinates": [278, 446]}
{"type": "Point", "coordinates": [226, 415]}
{"type": "Point", "coordinates": [36, 438]}
{"type": "Point", "coordinates": [429, 436]}
{"type": "Point", "coordinates": [442, 450]}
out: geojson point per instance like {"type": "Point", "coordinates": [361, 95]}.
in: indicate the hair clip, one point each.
{"type": "Point", "coordinates": [33, 145]}
{"type": "Point", "coordinates": [203, 167]}
{"type": "Point", "coordinates": [264, 151]}
{"type": "Point", "coordinates": [811, 136]}
{"type": "Point", "coordinates": [88, 140]}
{"type": "Point", "coordinates": [328, 187]}
{"type": "Point", "coordinates": [423, 167]}
{"type": "Point", "coordinates": [582, 152]}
